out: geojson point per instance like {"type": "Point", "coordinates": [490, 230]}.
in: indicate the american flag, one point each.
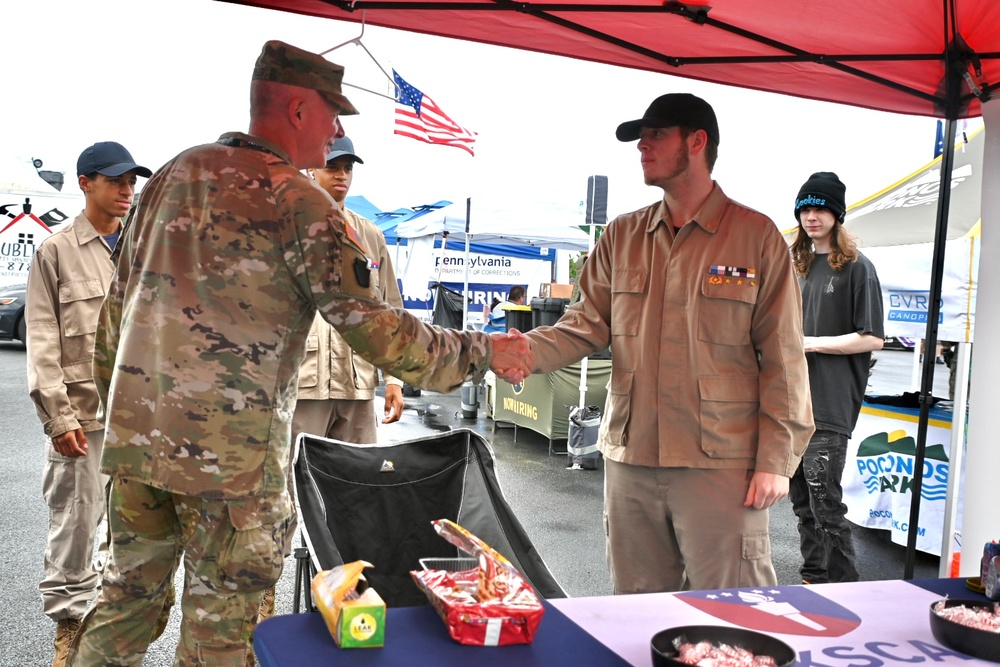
{"type": "Point", "coordinates": [418, 117]}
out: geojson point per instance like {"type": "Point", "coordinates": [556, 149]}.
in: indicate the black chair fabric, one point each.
{"type": "Point", "coordinates": [447, 307]}
{"type": "Point", "coordinates": [376, 503]}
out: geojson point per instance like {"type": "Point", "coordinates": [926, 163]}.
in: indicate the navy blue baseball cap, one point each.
{"type": "Point", "coordinates": [109, 158]}
{"type": "Point", "coordinates": [341, 147]}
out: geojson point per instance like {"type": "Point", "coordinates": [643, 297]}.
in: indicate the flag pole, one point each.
{"type": "Point", "coordinates": [583, 362]}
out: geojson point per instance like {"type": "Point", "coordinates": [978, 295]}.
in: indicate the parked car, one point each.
{"type": "Point", "coordinates": [12, 326]}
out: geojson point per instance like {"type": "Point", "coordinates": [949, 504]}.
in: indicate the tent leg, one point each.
{"type": "Point", "coordinates": [956, 456]}
{"type": "Point", "coordinates": [930, 342]}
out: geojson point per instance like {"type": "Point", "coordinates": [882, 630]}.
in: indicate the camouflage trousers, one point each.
{"type": "Point", "coordinates": [231, 550]}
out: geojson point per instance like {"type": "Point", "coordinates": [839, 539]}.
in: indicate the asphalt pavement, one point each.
{"type": "Point", "coordinates": [559, 508]}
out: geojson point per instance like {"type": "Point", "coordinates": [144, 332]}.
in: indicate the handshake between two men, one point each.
{"type": "Point", "coordinates": [512, 359]}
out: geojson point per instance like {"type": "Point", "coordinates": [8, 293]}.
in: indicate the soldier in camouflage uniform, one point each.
{"type": "Point", "coordinates": [229, 254]}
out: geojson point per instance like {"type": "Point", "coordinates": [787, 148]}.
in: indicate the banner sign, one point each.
{"type": "Point", "coordinates": [19, 238]}
{"type": "Point", "coordinates": [858, 624]}
{"type": "Point", "coordinates": [904, 273]}
{"type": "Point", "coordinates": [879, 473]}
{"type": "Point", "coordinates": [490, 276]}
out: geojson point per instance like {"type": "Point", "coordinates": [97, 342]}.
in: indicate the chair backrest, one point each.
{"type": "Point", "coordinates": [376, 503]}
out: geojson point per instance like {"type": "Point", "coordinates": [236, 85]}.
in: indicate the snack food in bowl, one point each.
{"type": "Point", "coordinates": [745, 647]}
{"type": "Point", "coordinates": [971, 627]}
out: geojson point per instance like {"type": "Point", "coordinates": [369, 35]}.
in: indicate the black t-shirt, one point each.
{"type": "Point", "coordinates": [836, 303]}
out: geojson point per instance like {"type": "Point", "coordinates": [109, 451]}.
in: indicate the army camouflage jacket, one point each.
{"type": "Point", "coordinates": [229, 254]}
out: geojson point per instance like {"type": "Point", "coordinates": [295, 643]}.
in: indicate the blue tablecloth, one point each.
{"type": "Point", "coordinates": [417, 637]}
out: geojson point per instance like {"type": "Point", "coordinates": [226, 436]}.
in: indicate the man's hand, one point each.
{"type": "Point", "coordinates": [512, 357]}
{"type": "Point", "coordinates": [71, 443]}
{"type": "Point", "coordinates": [393, 403]}
{"type": "Point", "coordinates": [766, 488]}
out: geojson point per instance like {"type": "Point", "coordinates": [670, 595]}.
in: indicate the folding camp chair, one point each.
{"type": "Point", "coordinates": [376, 503]}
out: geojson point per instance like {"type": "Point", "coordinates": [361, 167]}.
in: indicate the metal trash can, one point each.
{"type": "Point", "coordinates": [581, 446]}
{"type": "Point", "coordinates": [470, 400]}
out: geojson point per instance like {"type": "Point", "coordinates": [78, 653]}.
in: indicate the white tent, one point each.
{"type": "Point", "coordinates": [500, 222]}
{"type": "Point", "coordinates": [504, 223]}
{"type": "Point", "coordinates": [895, 229]}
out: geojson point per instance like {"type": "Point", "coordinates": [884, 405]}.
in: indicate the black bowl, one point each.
{"type": "Point", "coordinates": [665, 653]}
{"type": "Point", "coordinates": [977, 643]}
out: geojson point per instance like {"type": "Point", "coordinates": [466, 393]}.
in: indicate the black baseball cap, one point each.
{"type": "Point", "coordinates": [671, 110]}
{"type": "Point", "coordinates": [109, 158]}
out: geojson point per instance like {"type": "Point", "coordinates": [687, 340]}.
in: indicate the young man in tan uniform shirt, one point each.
{"type": "Point", "coordinates": [336, 386]}
{"type": "Point", "coordinates": [67, 281]}
{"type": "Point", "coordinates": [708, 408]}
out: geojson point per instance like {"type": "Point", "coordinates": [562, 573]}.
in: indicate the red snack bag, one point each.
{"type": "Point", "coordinates": [490, 606]}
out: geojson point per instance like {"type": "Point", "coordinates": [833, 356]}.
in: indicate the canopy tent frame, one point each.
{"type": "Point", "coordinates": [696, 14]}
{"type": "Point", "coordinates": [946, 101]}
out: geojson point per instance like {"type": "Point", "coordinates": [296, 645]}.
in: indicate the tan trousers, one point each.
{"type": "Point", "coordinates": [671, 529]}
{"type": "Point", "coordinates": [75, 491]}
{"type": "Point", "coordinates": [349, 421]}
{"type": "Point", "coordinates": [344, 420]}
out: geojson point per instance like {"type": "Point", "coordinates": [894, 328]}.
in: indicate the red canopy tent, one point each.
{"type": "Point", "coordinates": [938, 58]}
{"type": "Point", "coordinates": [888, 55]}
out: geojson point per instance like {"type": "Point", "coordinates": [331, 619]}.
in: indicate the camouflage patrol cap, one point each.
{"type": "Point", "coordinates": [284, 63]}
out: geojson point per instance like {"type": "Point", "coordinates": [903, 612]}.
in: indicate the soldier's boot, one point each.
{"type": "Point", "coordinates": [266, 605]}
{"type": "Point", "coordinates": [164, 617]}
{"type": "Point", "coordinates": [66, 632]}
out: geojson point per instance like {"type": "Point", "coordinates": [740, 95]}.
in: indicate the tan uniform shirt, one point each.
{"type": "Point", "coordinates": [67, 281]}
{"type": "Point", "coordinates": [708, 368]}
{"type": "Point", "coordinates": [331, 370]}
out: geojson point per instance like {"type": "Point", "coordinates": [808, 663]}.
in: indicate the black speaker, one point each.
{"type": "Point", "coordinates": [597, 200]}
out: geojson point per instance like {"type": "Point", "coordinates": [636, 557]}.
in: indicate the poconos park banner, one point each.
{"type": "Point", "coordinates": [878, 475]}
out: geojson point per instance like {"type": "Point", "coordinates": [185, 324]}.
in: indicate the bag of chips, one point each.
{"type": "Point", "coordinates": [490, 605]}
